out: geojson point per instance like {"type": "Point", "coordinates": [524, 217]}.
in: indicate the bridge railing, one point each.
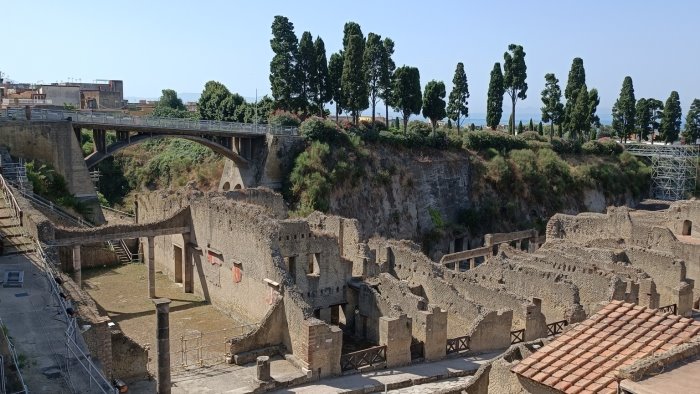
{"type": "Point", "coordinates": [119, 119]}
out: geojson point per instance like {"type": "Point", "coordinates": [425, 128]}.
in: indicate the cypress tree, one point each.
{"type": "Point", "coordinates": [515, 74]}
{"type": "Point", "coordinates": [494, 100]}
{"type": "Point", "coordinates": [284, 81]}
{"type": "Point", "coordinates": [387, 72]}
{"type": "Point", "coordinates": [692, 123]}
{"type": "Point", "coordinates": [625, 110]}
{"type": "Point", "coordinates": [335, 73]}
{"type": "Point", "coordinates": [406, 92]}
{"type": "Point", "coordinates": [322, 85]}
{"type": "Point", "coordinates": [353, 82]}
{"type": "Point", "coordinates": [374, 64]}
{"type": "Point", "coordinates": [521, 129]}
{"type": "Point", "coordinates": [457, 106]}
{"type": "Point", "coordinates": [540, 129]}
{"type": "Point", "coordinates": [306, 61]}
{"type": "Point", "coordinates": [552, 109]}
{"type": "Point", "coordinates": [531, 126]}
{"type": "Point", "coordinates": [593, 119]}
{"type": "Point", "coordinates": [577, 78]}
{"type": "Point", "coordinates": [671, 120]}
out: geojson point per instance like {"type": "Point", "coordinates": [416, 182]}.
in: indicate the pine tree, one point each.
{"type": "Point", "coordinates": [692, 124]}
{"type": "Point", "coordinates": [406, 92]}
{"type": "Point", "coordinates": [457, 106]}
{"type": "Point", "coordinates": [335, 73]}
{"type": "Point", "coordinates": [515, 74]}
{"type": "Point", "coordinates": [531, 126]}
{"type": "Point", "coordinates": [625, 110]}
{"type": "Point", "coordinates": [671, 120]}
{"type": "Point", "coordinates": [374, 64]}
{"type": "Point", "coordinates": [306, 61]}
{"type": "Point", "coordinates": [494, 100]}
{"type": "Point", "coordinates": [578, 121]}
{"type": "Point", "coordinates": [553, 109]}
{"type": "Point", "coordinates": [540, 129]}
{"type": "Point", "coordinates": [284, 80]}
{"type": "Point", "coordinates": [521, 129]}
{"type": "Point", "coordinates": [577, 78]}
{"type": "Point", "coordinates": [434, 102]}
{"type": "Point", "coordinates": [322, 84]}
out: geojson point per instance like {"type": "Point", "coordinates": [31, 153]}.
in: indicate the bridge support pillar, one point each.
{"type": "Point", "coordinates": [77, 275]}
{"type": "Point", "coordinates": [151, 267]}
{"type": "Point", "coordinates": [163, 344]}
{"type": "Point", "coordinates": [100, 139]}
{"type": "Point", "coordinates": [187, 262]}
{"type": "Point", "coordinates": [472, 264]}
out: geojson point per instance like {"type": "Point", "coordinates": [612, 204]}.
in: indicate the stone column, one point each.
{"type": "Point", "coordinates": [163, 344]}
{"type": "Point", "coordinates": [187, 263]}
{"type": "Point", "coordinates": [519, 245]}
{"type": "Point", "coordinates": [262, 372]}
{"type": "Point", "coordinates": [77, 276]}
{"type": "Point", "coordinates": [151, 267]}
{"type": "Point", "coordinates": [472, 263]}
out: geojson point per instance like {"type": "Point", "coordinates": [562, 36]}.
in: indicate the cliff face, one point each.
{"type": "Point", "coordinates": [406, 194]}
{"type": "Point", "coordinates": [401, 189]}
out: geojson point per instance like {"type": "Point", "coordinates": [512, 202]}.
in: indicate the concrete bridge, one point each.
{"type": "Point", "coordinates": [258, 155]}
{"type": "Point", "coordinates": [232, 140]}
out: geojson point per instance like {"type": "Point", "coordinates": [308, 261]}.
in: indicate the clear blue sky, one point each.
{"type": "Point", "coordinates": [153, 45]}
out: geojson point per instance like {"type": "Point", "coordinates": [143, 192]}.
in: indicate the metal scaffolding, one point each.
{"type": "Point", "coordinates": [674, 169]}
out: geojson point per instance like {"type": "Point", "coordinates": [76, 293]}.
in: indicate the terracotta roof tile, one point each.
{"type": "Point", "coordinates": [588, 356]}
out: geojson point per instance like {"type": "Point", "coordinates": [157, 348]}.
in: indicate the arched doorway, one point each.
{"type": "Point", "coordinates": [687, 227]}
{"type": "Point", "coordinates": [227, 186]}
{"type": "Point", "coordinates": [238, 187]}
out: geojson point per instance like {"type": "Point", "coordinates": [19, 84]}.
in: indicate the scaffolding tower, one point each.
{"type": "Point", "coordinates": [674, 169]}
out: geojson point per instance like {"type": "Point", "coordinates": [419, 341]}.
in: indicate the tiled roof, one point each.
{"type": "Point", "coordinates": [587, 358]}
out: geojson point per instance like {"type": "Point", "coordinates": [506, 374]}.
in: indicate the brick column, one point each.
{"type": "Point", "coordinates": [77, 276]}
{"type": "Point", "coordinates": [151, 267]}
{"type": "Point", "coordinates": [163, 344]}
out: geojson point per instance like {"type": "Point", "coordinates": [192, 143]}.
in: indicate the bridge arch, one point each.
{"type": "Point", "coordinates": [96, 157]}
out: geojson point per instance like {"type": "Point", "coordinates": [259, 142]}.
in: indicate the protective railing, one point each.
{"type": "Point", "coordinates": [363, 358]}
{"type": "Point", "coordinates": [75, 343]}
{"type": "Point", "coordinates": [672, 309]}
{"type": "Point", "coordinates": [118, 119]}
{"type": "Point", "coordinates": [118, 212]}
{"type": "Point", "coordinates": [459, 344]}
{"type": "Point", "coordinates": [15, 362]}
{"type": "Point", "coordinates": [556, 328]}
{"type": "Point", "coordinates": [517, 336]}
{"type": "Point", "coordinates": [10, 200]}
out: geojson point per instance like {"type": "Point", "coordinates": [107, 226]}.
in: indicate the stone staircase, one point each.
{"type": "Point", "coordinates": [13, 239]}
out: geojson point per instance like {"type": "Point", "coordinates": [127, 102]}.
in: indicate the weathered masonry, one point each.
{"type": "Point", "coordinates": [331, 299]}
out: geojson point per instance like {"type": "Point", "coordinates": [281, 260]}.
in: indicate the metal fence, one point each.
{"type": "Point", "coordinates": [4, 386]}
{"type": "Point", "coordinates": [75, 344]}
{"type": "Point", "coordinates": [108, 119]}
{"type": "Point", "coordinates": [205, 349]}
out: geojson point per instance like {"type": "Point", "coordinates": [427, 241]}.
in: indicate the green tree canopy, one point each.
{"type": "Point", "coordinates": [322, 87]}
{"type": "Point", "coordinates": [494, 99]}
{"type": "Point", "coordinates": [434, 102]}
{"type": "Point", "coordinates": [671, 119]}
{"type": "Point", "coordinates": [170, 106]}
{"type": "Point", "coordinates": [625, 110]}
{"type": "Point", "coordinates": [692, 123]}
{"type": "Point", "coordinates": [515, 74]}
{"type": "Point", "coordinates": [552, 109]}
{"type": "Point", "coordinates": [353, 82]}
{"type": "Point", "coordinates": [579, 115]}
{"type": "Point", "coordinates": [307, 71]}
{"type": "Point", "coordinates": [374, 64]}
{"type": "Point", "coordinates": [387, 72]}
{"type": "Point", "coordinates": [284, 78]}
{"type": "Point", "coordinates": [407, 92]}
{"type": "Point", "coordinates": [458, 106]}
{"type": "Point", "coordinates": [577, 78]}
{"type": "Point", "coordinates": [335, 74]}
{"type": "Point", "coordinates": [593, 119]}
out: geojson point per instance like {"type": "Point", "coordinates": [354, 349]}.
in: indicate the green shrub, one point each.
{"type": "Point", "coordinates": [604, 147]}
{"type": "Point", "coordinates": [317, 129]}
{"type": "Point", "coordinates": [49, 184]}
{"type": "Point", "coordinates": [283, 118]}
{"type": "Point", "coordinates": [563, 146]}
{"type": "Point", "coordinates": [420, 128]}
{"type": "Point", "coordinates": [483, 140]}
{"type": "Point", "coordinates": [532, 136]}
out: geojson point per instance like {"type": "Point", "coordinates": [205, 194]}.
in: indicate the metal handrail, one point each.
{"type": "Point", "coordinates": [131, 215]}
{"type": "Point", "coordinates": [10, 199]}
{"type": "Point", "coordinates": [118, 119]}
{"type": "Point", "coordinates": [13, 354]}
